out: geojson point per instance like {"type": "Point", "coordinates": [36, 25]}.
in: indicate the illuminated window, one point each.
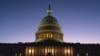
{"type": "Point", "coordinates": [52, 50]}
{"type": "Point", "coordinates": [71, 51]}
{"type": "Point", "coordinates": [29, 51]}
{"type": "Point", "coordinates": [45, 50]}
{"type": "Point", "coordinates": [77, 54]}
{"type": "Point", "coordinates": [68, 51]}
{"type": "Point", "coordinates": [15, 54]}
{"type": "Point", "coordinates": [49, 50]}
{"type": "Point", "coordinates": [47, 35]}
{"type": "Point", "coordinates": [65, 51]}
{"type": "Point", "coordinates": [51, 35]}
{"type": "Point", "coordinates": [32, 50]}
{"type": "Point", "coordinates": [26, 51]}
{"type": "Point", "coordinates": [86, 54]}
{"type": "Point", "coordinates": [20, 54]}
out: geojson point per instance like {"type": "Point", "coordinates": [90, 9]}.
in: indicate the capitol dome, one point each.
{"type": "Point", "coordinates": [49, 28]}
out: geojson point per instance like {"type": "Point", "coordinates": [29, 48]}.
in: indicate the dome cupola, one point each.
{"type": "Point", "coordinates": [49, 28]}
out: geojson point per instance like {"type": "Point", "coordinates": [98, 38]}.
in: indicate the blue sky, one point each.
{"type": "Point", "coordinates": [79, 19]}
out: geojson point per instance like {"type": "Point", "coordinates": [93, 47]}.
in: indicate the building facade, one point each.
{"type": "Point", "coordinates": [49, 42]}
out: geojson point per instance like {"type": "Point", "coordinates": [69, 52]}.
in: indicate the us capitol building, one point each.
{"type": "Point", "coordinates": [49, 42]}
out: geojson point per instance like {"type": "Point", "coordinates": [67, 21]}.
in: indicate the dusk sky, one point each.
{"type": "Point", "coordinates": [79, 19]}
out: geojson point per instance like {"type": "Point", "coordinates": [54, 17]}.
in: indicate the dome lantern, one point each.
{"type": "Point", "coordinates": [49, 11]}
